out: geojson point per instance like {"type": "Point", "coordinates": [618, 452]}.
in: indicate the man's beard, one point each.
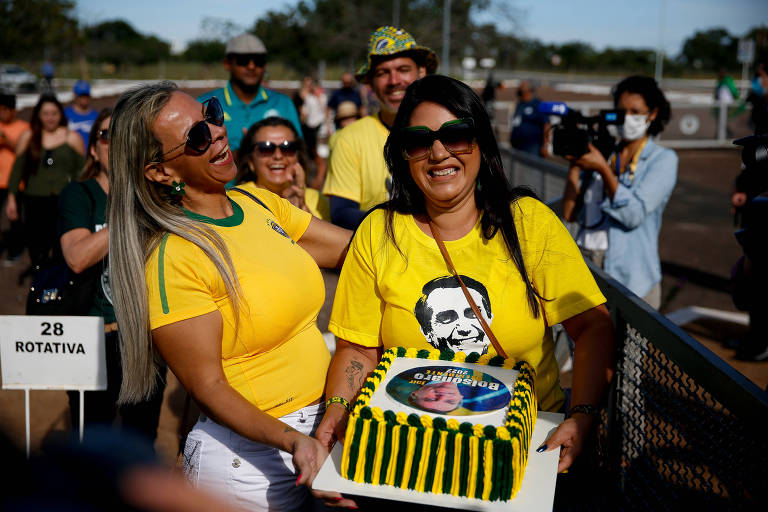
{"type": "Point", "coordinates": [248, 89]}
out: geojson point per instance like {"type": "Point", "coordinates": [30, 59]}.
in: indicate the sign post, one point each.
{"type": "Point", "coordinates": [52, 352]}
{"type": "Point", "coordinates": [746, 55]}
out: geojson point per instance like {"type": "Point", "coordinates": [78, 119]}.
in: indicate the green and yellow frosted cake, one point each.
{"type": "Point", "coordinates": [483, 459]}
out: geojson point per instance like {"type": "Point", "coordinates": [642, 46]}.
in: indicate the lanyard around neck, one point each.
{"type": "Point", "coordinates": [616, 161]}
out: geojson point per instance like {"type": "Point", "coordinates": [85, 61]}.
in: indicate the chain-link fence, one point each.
{"type": "Point", "coordinates": [681, 428]}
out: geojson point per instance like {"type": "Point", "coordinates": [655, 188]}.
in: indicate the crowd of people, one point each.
{"type": "Point", "coordinates": [224, 208]}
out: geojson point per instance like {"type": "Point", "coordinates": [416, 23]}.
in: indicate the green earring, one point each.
{"type": "Point", "coordinates": [177, 189]}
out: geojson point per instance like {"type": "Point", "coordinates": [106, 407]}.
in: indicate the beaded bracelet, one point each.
{"type": "Point", "coordinates": [338, 400]}
{"type": "Point", "coordinates": [587, 409]}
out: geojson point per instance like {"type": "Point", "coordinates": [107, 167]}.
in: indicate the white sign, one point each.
{"type": "Point", "coordinates": [746, 52]}
{"type": "Point", "coordinates": [469, 63]}
{"type": "Point", "coordinates": [689, 124]}
{"type": "Point", "coordinates": [53, 352]}
{"type": "Point", "coordinates": [487, 62]}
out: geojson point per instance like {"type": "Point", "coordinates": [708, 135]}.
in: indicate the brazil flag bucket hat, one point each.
{"type": "Point", "coordinates": [388, 41]}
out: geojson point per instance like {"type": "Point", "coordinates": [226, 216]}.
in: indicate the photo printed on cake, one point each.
{"type": "Point", "coordinates": [449, 390]}
{"type": "Point", "coordinates": [446, 318]}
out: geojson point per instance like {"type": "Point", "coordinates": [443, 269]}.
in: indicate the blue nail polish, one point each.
{"type": "Point", "coordinates": [541, 448]}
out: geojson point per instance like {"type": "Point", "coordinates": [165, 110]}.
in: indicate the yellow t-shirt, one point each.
{"type": "Point", "coordinates": [278, 359]}
{"type": "Point", "coordinates": [382, 299]}
{"type": "Point", "coordinates": [357, 170]}
{"type": "Point", "coordinates": [315, 201]}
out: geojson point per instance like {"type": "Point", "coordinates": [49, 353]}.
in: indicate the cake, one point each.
{"type": "Point", "coordinates": [429, 453]}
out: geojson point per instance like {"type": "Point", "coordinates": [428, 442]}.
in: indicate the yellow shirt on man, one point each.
{"type": "Point", "coordinates": [276, 358]}
{"type": "Point", "coordinates": [357, 170]}
{"type": "Point", "coordinates": [386, 299]}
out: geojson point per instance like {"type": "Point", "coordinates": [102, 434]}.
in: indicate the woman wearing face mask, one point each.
{"type": "Point", "coordinates": [619, 202]}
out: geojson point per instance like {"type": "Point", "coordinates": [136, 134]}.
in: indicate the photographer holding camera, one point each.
{"type": "Point", "coordinates": [618, 199]}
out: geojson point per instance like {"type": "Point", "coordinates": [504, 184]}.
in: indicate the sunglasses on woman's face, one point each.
{"type": "Point", "coordinates": [287, 148]}
{"type": "Point", "coordinates": [457, 136]}
{"type": "Point", "coordinates": [199, 136]}
{"type": "Point", "coordinates": [103, 136]}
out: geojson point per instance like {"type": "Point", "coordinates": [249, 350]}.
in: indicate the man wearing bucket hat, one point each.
{"type": "Point", "coordinates": [80, 115]}
{"type": "Point", "coordinates": [358, 176]}
{"type": "Point", "coordinates": [244, 99]}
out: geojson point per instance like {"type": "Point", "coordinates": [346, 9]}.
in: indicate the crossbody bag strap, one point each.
{"type": "Point", "coordinates": [475, 309]}
{"type": "Point", "coordinates": [245, 192]}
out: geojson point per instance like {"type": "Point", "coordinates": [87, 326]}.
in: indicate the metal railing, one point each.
{"type": "Point", "coordinates": [681, 428]}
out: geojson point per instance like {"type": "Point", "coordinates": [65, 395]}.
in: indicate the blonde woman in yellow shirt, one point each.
{"type": "Point", "coordinates": [226, 289]}
{"type": "Point", "coordinates": [520, 265]}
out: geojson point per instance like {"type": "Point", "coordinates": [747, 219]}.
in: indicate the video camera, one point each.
{"type": "Point", "coordinates": [574, 133]}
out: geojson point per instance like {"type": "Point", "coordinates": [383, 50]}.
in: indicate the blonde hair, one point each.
{"type": "Point", "coordinates": [139, 214]}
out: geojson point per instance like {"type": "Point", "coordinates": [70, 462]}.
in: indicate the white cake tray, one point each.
{"type": "Point", "coordinates": [536, 494]}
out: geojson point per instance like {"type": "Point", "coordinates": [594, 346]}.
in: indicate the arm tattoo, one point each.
{"type": "Point", "coordinates": [354, 375]}
{"type": "Point", "coordinates": [289, 429]}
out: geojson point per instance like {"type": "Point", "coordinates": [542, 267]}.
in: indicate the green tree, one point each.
{"type": "Point", "coordinates": [34, 29]}
{"type": "Point", "coordinates": [117, 42]}
{"type": "Point", "coordinates": [204, 50]}
{"type": "Point", "coordinates": [337, 30]}
{"type": "Point", "coordinates": [710, 49]}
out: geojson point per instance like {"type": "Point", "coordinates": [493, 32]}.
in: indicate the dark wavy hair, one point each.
{"type": "Point", "coordinates": [32, 158]}
{"type": "Point", "coordinates": [654, 97]}
{"type": "Point", "coordinates": [248, 146]}
{"type": "Point", "coordinates": [494, 196]}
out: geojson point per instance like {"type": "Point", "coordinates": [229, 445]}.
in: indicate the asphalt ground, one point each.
{"type": "Point", "coordinates": [697, 250]}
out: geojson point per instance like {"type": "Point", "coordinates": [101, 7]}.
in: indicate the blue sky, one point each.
{"type": "Point", "coordinates": [616, 23]}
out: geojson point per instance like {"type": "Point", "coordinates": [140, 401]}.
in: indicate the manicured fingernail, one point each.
{"type": "Point", "coordinates": [337, 498]}
{"type": "Point", "coordinates": [297, 480]}
{"type": "Point", "coordinates": [541, 448]}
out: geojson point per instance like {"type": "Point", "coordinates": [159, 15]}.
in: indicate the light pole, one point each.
{"type": "Point", "coordinates": [660, 51]}
{"type": "Point", "coordinates": [396, 13]}
{"type": "Point", "coordinates": [445, 64]}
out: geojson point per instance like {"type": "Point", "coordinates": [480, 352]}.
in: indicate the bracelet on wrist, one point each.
{"type": "Point", "coordinates": [339, 400]}
{"type": "Point", "coordinates": [589, 410]}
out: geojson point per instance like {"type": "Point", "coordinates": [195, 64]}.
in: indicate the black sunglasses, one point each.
{"type": "Point", "coordinates": [243, 59]}
{"type": "Point", "coordinates": [287, 148]}
{"type": "Point", "coordinates": [456, 136]}
{"type": "Point", "coordinates": [199, 136]}
{"type": "Point", "coordinates": [103, 136]}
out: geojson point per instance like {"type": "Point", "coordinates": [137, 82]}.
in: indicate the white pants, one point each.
{"type": "Point", "coordinates": [248, 473]}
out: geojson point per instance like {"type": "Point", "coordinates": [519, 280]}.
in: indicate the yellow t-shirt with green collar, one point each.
{"type": "Point", "coordinates": [277, 359]}
{"type": "Point", "coordinates": [357, 170]}
{"type": "Point", "coordinates": [384, 300]}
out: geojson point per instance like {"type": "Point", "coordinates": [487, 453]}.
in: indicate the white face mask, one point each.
{"type": "Point", "coordinates": [635, 126]}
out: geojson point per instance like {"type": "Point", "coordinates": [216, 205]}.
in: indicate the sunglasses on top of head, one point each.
{"type": "Point", "coordinates": [268, 148]}
{"type": "Point", "coordinates": [199, 137]}
{"type": "Point", "coordinates": [457, 137]}
{"type": "Point", "coordinates": [243, 59]}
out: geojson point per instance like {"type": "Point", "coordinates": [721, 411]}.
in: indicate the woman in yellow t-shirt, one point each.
{"type": "Point", "coordinates": [520, 265]}
{"type": "Point", "coordinates": [272, 157]}
{"type": "Point", "coordinates": [226, 289]}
